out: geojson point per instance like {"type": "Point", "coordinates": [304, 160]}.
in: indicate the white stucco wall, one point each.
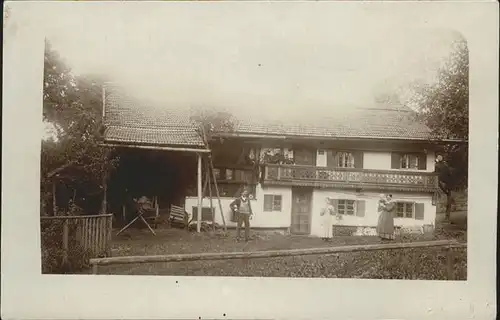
{"type": "Point", "coordinates": [282, 219]}
{"type": "Point", "coordinates": [381, 160]}
{"type": "Point", "coordinates": [261, 219]}
{"type": "Point", "coordinates": [371, 215]}
{"type": "Point", "coordinates": [378, 160]}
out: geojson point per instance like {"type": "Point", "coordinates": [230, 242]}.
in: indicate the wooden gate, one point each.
{"type": "Point", "coordinates": [301, 211]}
{"type": "Point", "coordinates": [92, 232]}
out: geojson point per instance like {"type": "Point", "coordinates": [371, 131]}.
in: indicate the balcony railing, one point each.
{"type": "Point", "coordinates": [348, 177]}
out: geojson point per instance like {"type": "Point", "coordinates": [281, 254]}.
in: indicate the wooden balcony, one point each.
{"type": "Point", "coordinates": [349, 178]}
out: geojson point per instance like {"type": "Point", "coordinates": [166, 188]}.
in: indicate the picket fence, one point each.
{"type": "Point", "coordinates": [92, 232]}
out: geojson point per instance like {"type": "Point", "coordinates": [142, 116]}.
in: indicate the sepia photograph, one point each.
{"type": "Point", "coordinates": [202, 160]}
{"type": "Point", "coordinates": [257, 153]}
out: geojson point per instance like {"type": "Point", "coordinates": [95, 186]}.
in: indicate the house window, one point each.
{"type": "Point", "coordinates": [345, 160]}
{"type": "Point", "coordinates": [229, 174]}
{"type": "Point", "coordinates": [409, 161]}
{"type": "Point", "coordinates": [405, 209]}
{"type": "Point", "coordinates": [272, 202]}
{"type": "Point", "coordinates": [346, 207]}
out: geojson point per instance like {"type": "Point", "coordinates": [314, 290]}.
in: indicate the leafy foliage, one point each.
{"type": "Point", "coordinates": [275, 158]}
{"type": "Point", "coordinates": [212, 121]}
{"type": "Point", "coordinates": [73, 105]}
{"type": "Point", "coordinates": [52, 252]}
{"type": "Point", "coordinates": [444, 106]}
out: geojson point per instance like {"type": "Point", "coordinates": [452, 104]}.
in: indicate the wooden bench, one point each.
{"type": "Point", "coordinates": [178, 216]}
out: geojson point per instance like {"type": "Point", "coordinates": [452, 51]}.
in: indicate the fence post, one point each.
{"type": "Point", "coordinates": [109, 229]}
{"type": "Point", "coordinates": [449, 263]}
{"type": "Point", "coordinates": [65, 241]}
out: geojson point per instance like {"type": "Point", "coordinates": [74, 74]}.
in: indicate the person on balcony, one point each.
{"type": "Point", "coordinates": [327, 214]}
{"type": "Point", "coordinates": [242, 208]}
{"type": "Point", "coordinates": [385, 226]}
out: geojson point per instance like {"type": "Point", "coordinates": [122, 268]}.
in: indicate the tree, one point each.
{"type": "Point", "coordinates": [444, 107]}
{"type": "Point", "coordinates": [212, 122]}
{"type": "Point", "coordinates": [73, 105]}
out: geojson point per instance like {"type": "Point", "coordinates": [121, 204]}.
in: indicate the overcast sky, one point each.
{"type": "Point", "coordinates": [256, 57]}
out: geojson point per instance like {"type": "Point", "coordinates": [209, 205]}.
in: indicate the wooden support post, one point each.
{"type": "Point", "coordinates": [54, 197]}
{"type": "Point", "coordinates": [203, 193]}
{"type": "Point", "coordinates": [105, 197]}
{"type": "Point", "coordinates": [104, 207]}
{"type": "Point", "coordinates": [157, 207]}
{"type": "Point", "coordinates": [65, 242]}
{"type": "Point", "coordinates": [198, 222]}
{"type": "Point", "coordinates": [108, 235]}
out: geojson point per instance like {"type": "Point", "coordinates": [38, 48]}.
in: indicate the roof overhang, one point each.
{"type": "Point", "coordinates": [330, 138]}
{"type": "Point", "coordinates": [155, 147]}
{"type": "Point", "coordinates": [56, 172]}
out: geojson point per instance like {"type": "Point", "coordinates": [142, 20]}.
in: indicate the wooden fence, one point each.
{"type": "Point", "coordinates": [449, 244]}
{"type": "Point", "coordinates": [92, 232]}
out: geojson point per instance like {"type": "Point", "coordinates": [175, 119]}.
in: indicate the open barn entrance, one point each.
{"type": "Point", "coordinates": [164, 176]}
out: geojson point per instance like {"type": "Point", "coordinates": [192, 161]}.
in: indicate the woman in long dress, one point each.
{"type": "Point", "coordinates": [385, 226]}
{"type": "Point", "coordinates": [327, 214]}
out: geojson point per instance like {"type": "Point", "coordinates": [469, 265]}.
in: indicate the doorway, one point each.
{"type": "Point", "coordinates": [301, 211]}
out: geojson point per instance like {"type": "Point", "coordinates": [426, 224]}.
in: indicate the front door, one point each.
{"type": "Point", "coordinates": [301, 211]}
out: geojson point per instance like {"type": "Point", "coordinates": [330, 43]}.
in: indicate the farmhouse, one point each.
{"type": "Point", "coordinates": [292, 165]}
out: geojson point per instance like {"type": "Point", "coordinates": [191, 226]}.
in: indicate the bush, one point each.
{"type": "Point", "coordinates": [52, 250]}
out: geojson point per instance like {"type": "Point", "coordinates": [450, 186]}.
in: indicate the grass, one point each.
{"type": "Point", "coordinates": [426, 263]}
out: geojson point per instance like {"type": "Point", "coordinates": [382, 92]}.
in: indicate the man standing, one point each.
{"type": "Point", "coordinates": [243, 210]}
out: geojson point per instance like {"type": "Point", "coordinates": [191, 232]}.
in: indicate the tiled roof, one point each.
{"type": "Point", "coordinates": [154, 136]}
{"type": "Point", "coordinates": [130, 121]}
{"type": "Point", "coordinates": [133, 122]}
{"type": "Point", "coordinates": [388, 123]}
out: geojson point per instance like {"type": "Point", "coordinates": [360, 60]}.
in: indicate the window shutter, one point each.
{"type": "Point", "coordinates": [419, 211]}
{"type": "Point", "coordinates": [422, 161]}
{"type": "Point", "coordinates": [399, 213]}
{"type": "Point", "coordinates": [395, 160]}
{"type": "Point", "coordinates": [360, 208]}
{"type": "Point", "coordinates": [335, 204]}
{"type": "Point", "coordinates": [268, 202]}
{"type": "Point", "coordinates": [277, 198]}
{"type": "Point", "coordinates": [358, 159]}
{"type": "Point", "coordinates": [331, 159]}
